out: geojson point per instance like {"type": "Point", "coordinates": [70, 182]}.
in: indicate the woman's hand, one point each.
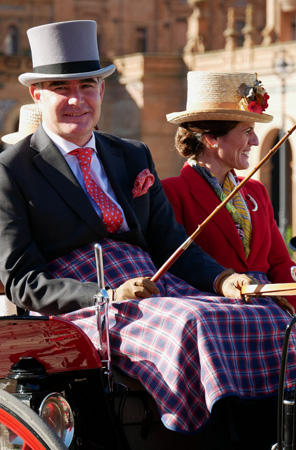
{"type": "Point", "coordinates": [135, 288]}
{"type": "Point", "coordinates": [229, 283]}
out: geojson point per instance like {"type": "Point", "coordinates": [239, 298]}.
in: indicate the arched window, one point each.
{"type": "Point", "coordinates": [11, 41]}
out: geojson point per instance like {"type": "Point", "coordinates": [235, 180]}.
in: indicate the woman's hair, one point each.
{"type": "Point", "coordinates": [189, 136]}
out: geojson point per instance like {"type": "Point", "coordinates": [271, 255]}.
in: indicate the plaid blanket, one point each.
{"type": "Point", "coordinates": [188, 348]}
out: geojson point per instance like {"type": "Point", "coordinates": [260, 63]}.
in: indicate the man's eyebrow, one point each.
{"type": "Point", "coordinates": [89, 80]}
{"type": "Point", "coordinates": [57, 83]}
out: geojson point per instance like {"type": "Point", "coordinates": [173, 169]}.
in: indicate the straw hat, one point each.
{"type": "Point", "coordinates": [64, 51]}
{"type": "Point", "coordinates": [223, 96]}
{"type": "Point", "coordinates": [29, 121]}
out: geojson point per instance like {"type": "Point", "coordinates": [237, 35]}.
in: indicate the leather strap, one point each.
{"type": "Point", "coordinates": [258, 290]}
{"type": "Point", "coordinates": [277, 291]}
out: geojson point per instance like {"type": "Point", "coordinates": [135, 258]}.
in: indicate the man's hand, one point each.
{"type": "Point", "coordinates": [229, 283]}
{"type": "Point", "coordinates": [135, 288]}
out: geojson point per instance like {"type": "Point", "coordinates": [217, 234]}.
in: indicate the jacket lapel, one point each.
{"type": "Point", "coordinates": [258, 227]}
{"type": "Point", "coordinates": [55, 169]}
{"type": "Point", "coordinates": [208, 201]}
{"type": "Point", "coordinates": [112, 158]}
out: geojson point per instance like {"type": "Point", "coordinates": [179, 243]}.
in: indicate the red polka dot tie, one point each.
{"type": "Point", "coordinates": [112, 216]}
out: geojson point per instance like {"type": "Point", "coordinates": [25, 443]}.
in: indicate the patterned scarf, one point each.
{"type": "Point", "coordinates": [236, 207]}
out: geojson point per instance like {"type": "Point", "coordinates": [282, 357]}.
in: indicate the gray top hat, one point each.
{"type": "Point", "coordinates": [64, 51]}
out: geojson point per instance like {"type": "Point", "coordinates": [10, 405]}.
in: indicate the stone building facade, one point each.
{"type": "Point", "coordinates": [153, 44]}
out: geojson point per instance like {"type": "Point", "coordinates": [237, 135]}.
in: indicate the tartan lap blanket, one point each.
{"type": "Point", "coordinates": [188, 348]}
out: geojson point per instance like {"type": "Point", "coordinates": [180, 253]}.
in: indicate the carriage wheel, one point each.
{"type": "Point", "coordinates": [21, 428]}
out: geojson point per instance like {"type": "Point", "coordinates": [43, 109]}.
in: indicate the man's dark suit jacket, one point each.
{"type": "Point", "coordinates": [44, 214]}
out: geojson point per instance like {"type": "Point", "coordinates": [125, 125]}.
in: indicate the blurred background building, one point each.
{"type": "Point", "coordinates": [153, 44]}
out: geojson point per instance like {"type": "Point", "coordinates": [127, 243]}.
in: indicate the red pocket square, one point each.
{"type": "Point", "coordinates": [143, 182]}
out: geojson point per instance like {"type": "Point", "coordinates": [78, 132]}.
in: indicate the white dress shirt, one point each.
{"type": "Point", "coordinates": [97, 170]}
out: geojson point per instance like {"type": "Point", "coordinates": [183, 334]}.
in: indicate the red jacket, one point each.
{"type": "Point", "coordinates": [194, 200]}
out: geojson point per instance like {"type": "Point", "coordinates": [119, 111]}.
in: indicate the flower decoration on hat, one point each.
{"type": "Point", "coordinates": [254, 98]}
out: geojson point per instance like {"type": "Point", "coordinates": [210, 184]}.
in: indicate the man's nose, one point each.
{"type": "Point", "coordinates": [75, 97]}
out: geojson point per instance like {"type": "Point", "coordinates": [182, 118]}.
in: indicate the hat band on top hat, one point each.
{"type": "Point", "coordinates": [68, 67]}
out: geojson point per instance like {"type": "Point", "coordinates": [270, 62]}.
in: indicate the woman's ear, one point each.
{"type": "Point", "coordinates": [211, 141]}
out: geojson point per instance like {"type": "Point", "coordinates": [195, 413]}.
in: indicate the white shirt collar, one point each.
{"type": "Point", "coordinates": [66, 146]}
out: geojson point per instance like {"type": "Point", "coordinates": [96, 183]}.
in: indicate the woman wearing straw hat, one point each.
{"type": "Point", "coordinates": [216, 134]}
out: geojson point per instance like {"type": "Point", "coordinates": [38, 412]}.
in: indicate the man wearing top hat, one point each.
{"type": "Point", "coordinates": [67, 187]}
{"type": "Point", "coordinates": [46, 210]}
